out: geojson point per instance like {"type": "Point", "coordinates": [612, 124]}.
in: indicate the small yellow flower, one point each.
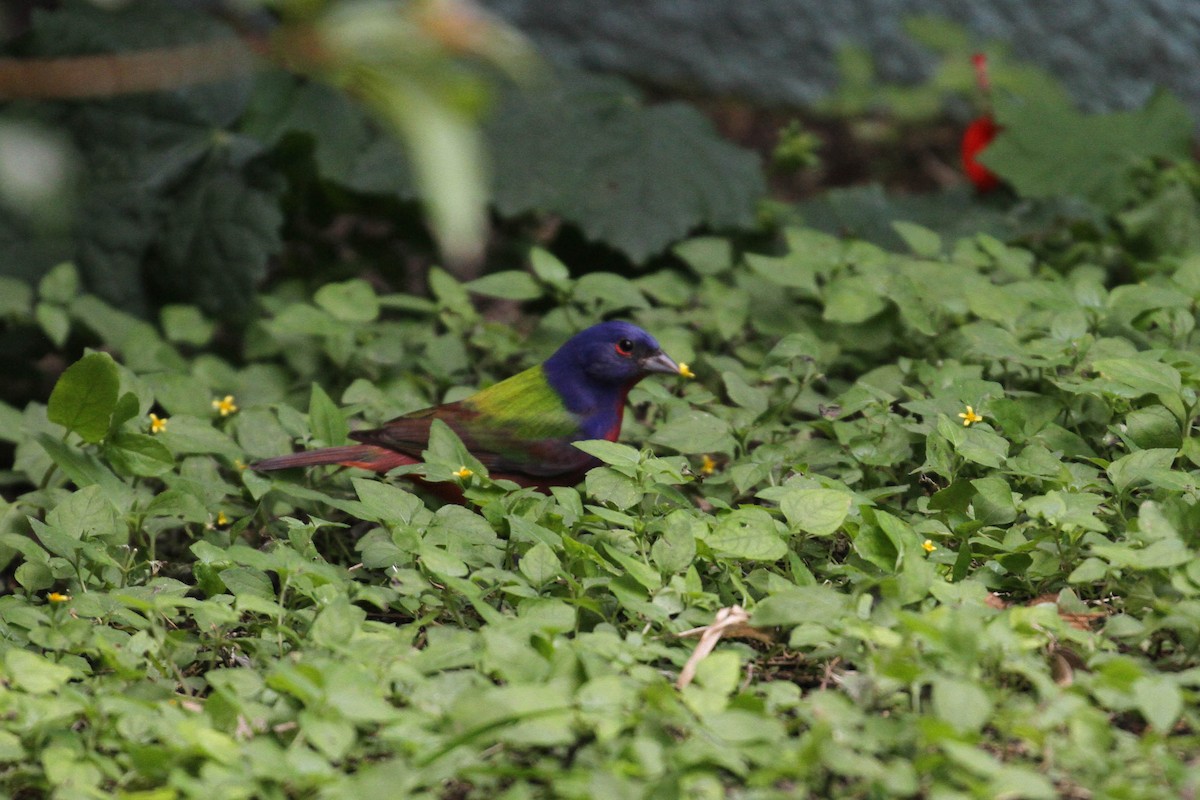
{"type": "Point", "coordinates": [969, 417]}
{"type": "Point", "coordinates": [238, 464]}
{"type": "Point", "coordinates": [222, 519]}
{"type": "Point", "coordinates": [707, 465]}
{"type": "Point", "coordinates": [157, 424]}
{"type": "Point", "coordinates": [464, 473]}
{"type": "Point", "coordinates": [57, 597]}
{"type": "Point", "coordinates": [686, 371]}
{"type": "Point", "coordinates": [928, 546]}
{"type": "Point", "coordinates": [225, 406]}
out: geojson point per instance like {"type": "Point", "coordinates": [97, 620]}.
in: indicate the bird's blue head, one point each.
{"type": "Point", "coordinates": [615, 353]}
{"type": "Point", "coordinates": [594, 370]}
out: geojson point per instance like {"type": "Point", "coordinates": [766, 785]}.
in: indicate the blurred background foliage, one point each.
{"type": "Point", "coordinates": [420, 116]}
{"type": "Point", "coordinates": [201, 153]}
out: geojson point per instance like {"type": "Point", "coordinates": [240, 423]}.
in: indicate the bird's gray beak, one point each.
{"type": "Point", "coordinates": [661, 362]}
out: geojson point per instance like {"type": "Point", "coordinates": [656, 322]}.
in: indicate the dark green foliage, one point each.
{"type": "Point", "coordinates": [85, 397]}
{"type": "Point", "coordinates": [169, 202]}
{"type": "Point", "coordinates": [635, 178]}
{"type": "Point", "coordinates": [181, 196]}
{"type": "Point", "coordinates": [1051, 150]}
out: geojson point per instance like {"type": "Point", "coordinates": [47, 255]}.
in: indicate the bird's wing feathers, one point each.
{"type": "Point", "coordinates": [517, 425]}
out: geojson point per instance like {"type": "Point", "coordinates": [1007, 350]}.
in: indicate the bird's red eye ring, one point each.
{"type": "Point", "coordinates": [624, 347]}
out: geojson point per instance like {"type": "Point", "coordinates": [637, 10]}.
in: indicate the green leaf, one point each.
{"type": "Point", "coordinates": [348, 147]}
{"type": "Point", "coordinates": [10, 424]}
{"type": "Point", "coordinates": [874, 544]}
{"type": "Point", "coordinates": [333, 737]}
{"type": "Point", "coordinates": [87, 513]}
{"type": "Point", "coordinates": [796, 270]}
{"type": "Point", "coordinates": [964, 704]}
{"type": "Point", "coordinates": [993, 501]}
{"type": "Point", "coordinates": [1153, 427]}
{"type": "Point", "coordinates": [139, 454]}
{"type": "Point", "coordinates": [10, 748]}
{"type": "Point", "coordinates": [33, 673]}
{"type": "Point", "coordinates": [742, 393]}
{"type": "Point", "coordinates": [54, 321]}
{"type": "Point", "coordinates": [386, 502]}
{"type": "Point", "coordinates": [1048, 150]}
{"type": "Point", "coordinates": [1068, 509]}
{"type": "Point", "coordinates": [85, 395]}
{"type": "Point", "coordinates": [539, 564]}
{"type": "Point", "coordinates": [922, 241]}
{"type": "Point", "coordinates": [620, 455]}
{"type": "Point", "coordinates": [852, 299]}
{"type": "Point", "coordinates": [675, 550]}
{"type": "Point", "coordinates": [608, 485]}
{"type": "Point", "coordinates": [440, 563]}
{"type": "Point", "coordinates": [185, 324]}
{"type": "Point", "coordinates": [605, 292]}
{"type": "Point", "coordinates": [187, 435]}
{"type": "Point", "coordinates": [548, 268]}
{"type": "Point", "coordinates": [509, 285]}
{"type": "Point", "coordinates": [819, 512]}
{"type": "Point", "coordinates": [58, 542]}
{"type": "Point", "coordinates": [1142, 375]}
{"type": "Point", "coordinates": [800, 604]}
{"type": "Point", "coordinates": [707, 255]}
{"type": "Point", "coordinates": [34, 577]}
{"type": "Point", "coordinates": [242, 581]}
{"type": "Point", "coordinates": [84, 469]}
{"type": "Point", "coordinates": [635, 568]}
{"type": "Point", "coordinates": [326, 420]}
{"type": "Point", "coordinates": [126, 409]}
{"type": "Point", "coordinates": [1143, 466]}
{"type": "Point", "coordinates": [695, 431]}
{"type": "Point", "coordinates": [350, 301]}
{"type": "Point", "coordinates": [523, 530]}
{"type": "Point", "coordinates": [748, 533]}
{"type": "Point", "coordinates": [337, 623]}
{"type": "Point", "coordinates": [216, 239]}
{"type": "Point", "coordinates": [633, 177]}
{"type": "Point", "coordinates": [975, 444]}
{"type": "Point", "coordinates": [179, 505]}
{"type": "Point", "coordinates": [446, 453]}
{"type": "Point", "coordinates": [15, 297]}
{"type": "Point", "coordinates": [60, 285]}
{"type": "Point", "coordinates": [1159, 700]}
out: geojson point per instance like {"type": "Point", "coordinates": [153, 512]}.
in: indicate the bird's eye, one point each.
{"type": "Point", "coordinates": [624, 347]}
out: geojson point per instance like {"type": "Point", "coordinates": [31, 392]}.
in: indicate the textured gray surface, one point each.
{"type": "Point", "coordinates": [1109, 53]}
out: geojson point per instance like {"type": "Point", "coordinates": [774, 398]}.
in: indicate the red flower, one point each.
{"type": "Point", "coordinates": [979, 133]}
{"type": "Point", "coordinates": [976, 138]}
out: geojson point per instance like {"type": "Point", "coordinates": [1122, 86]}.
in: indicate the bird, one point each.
{"type": "Point", "coordinates": [523, 428]}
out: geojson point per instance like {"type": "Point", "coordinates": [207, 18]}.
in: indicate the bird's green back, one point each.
{"type": "Point", "coordinates": [526, 406]}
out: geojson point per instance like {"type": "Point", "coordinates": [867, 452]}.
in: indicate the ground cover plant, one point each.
{"type": "Point", "coordinates": [967, 549]}
{"type": "Point", "coordinates": [937, 490]}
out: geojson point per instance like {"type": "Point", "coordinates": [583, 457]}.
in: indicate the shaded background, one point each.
{"type": "Point", "coordinates": [1109, 53]}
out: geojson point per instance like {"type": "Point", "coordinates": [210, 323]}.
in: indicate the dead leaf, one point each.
{"type": "Point", "coordinates": [727, 622]}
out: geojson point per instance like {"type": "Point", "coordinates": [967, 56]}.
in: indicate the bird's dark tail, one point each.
{"type": "Point", "coordinates": [363, 456]}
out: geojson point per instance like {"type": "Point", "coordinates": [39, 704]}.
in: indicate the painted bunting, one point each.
{"type": "Point", "coordinates": [521, 428]}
